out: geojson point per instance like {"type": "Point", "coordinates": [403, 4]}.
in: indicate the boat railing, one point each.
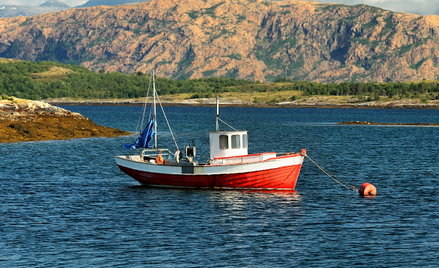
{"type": "Point", "coordinates": [153, 153]}
{"type": "Point", "coordinates": [245, 159]}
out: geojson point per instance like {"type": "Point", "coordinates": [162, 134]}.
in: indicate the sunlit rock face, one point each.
{"type": "Point", "coordinates": [246, 39]}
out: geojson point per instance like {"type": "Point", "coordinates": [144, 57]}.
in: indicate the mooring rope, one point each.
{"type": "Point", "coordinates": [335, 178]}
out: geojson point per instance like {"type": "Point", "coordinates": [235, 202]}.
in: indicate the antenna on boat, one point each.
{"type": "Point", "coordinates": [155, 110]}
{"type": "Point", "coordinates": [217, 116]}
{"type": "Point", "coordinates": [217, 112]}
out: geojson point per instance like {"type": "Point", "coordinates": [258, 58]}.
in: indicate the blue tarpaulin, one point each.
{"type": "Point", "coordinates": [144, 138]}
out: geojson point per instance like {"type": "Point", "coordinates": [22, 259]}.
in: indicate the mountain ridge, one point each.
{"type": "Point", "coordinates": [8, 10]}
{"type": "Point", "coordinates": [92, 3]}
{"type": "Point", "coordinates": [54, 3]}
{"type": "Point", "coordinates": [254, 40]}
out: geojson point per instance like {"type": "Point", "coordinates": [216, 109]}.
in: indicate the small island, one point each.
{"type": "Point", "coordinates": [386, 124]}
{"type": "Point", "coordinates": [25, 120]}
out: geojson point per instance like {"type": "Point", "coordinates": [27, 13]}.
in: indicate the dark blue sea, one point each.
{"type": "Point", "coordinates": [66, 203]}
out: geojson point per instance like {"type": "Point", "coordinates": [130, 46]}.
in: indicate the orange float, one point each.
{"type": "Point", "coordinates": [367, 189]}
{"type": "Point", "coordinates": [159, 158]}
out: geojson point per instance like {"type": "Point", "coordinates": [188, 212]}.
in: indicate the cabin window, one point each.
{"type": "Point", "coordinates": [236, 141]}
{"type": "Point", "coordinates": [224, 142]}
{"type": "Point", "coordinates": [244, 141]}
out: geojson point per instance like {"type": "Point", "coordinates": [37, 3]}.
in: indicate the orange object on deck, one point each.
{"type": "Point", "coordinates": [159, 158]}
{"type": "Point", "coordinates": [367, 189]}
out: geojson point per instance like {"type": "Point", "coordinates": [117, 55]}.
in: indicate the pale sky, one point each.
{"type": "Point", "coordinates": [71, 3]}
{"type": "Point", "coordinates": [422, 7]}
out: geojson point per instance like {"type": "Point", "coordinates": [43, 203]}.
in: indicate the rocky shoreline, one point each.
{"type": "Point", "coordinates": [312, 102]}
{"type": "Point", "coordinates": [24, 120]}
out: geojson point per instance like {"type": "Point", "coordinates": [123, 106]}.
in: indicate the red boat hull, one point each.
{"type": "Point", "coordinates": [281, 178]}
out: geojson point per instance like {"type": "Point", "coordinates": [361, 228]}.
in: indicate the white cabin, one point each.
{"type": "Point", "coordinates": [228, 144]}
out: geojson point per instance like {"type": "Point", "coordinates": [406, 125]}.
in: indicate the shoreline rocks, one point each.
{"type": "Point", "coordinates": [19, 109]}
{"type": "Point", "coordinates": [24, 120]}
{"type": "Point", "coordinates": [386, 124]}
{"type": "Point", "coordinates": [315, 102]}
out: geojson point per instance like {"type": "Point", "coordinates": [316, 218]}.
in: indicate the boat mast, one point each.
{"type": "Point", "coordinates": [155, 110]}
{"type": "Point", "coordinates": [217, 112]}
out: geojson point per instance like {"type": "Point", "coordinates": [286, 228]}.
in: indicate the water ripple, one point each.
{"type": "Point", "coordinates": [65, 203]}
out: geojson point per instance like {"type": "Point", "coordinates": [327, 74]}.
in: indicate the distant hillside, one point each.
{"type": "Point", "coordinates": [55, 3]}
{"type": "Point", "coordinates": [93, 3]}
{"type": "Point", "coordinates": [252, 40]}
{"type": "Point", "coordinates": [9, 11]}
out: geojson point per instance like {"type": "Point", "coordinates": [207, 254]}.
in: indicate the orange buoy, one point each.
{"type": "Point", "coordinates": [367, 189]}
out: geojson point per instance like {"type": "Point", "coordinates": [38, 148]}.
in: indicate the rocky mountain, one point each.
{"type": "Point", "coordinates": [54, 3]}
{"type": "Point", "coordinates": [246, 39]}
{"type": "Point", "coordinates": [93, 3]}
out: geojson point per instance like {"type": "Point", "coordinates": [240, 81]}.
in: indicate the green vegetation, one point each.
{"type": "Point", "coordinates": [405, 49]}
{"type": "Point", "coordinates": [372, 89]}
{"type": "Point", "coordinates": [193, 14]}
{"type": "Point", "coordinates": [4, 97]}
{"type": "Point", "coordinates": [207, 11]}
{"type": "Point", "coordinates": [331, 7]}
{"type": "Point", "coordinates": [210, 11]}
{"type": "Point", "coordinates": [389, 22]}
{"type": "Point", "coordinates": [236, 56]}
{"type": "Point", "coordinates": [42, 80]}
{"type": "Point", "coordinates": [268, 55]}
{"type": "Point", "coordinates": [417, 65]}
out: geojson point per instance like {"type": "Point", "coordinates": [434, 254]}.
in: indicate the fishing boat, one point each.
{"type": "Point", "coordinates": [228, 167]}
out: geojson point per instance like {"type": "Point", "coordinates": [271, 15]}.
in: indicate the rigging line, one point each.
{"type": "Point", "coordinates": [226, 124]}
{"type": "Point", "coordinates": [151, 111]}
{"type": "Point", "coordinates": [329, 175]}
{"type": "Point", "coordinates": [167, 122]}
{"type": "Point", "coordinates": [140, 123]}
